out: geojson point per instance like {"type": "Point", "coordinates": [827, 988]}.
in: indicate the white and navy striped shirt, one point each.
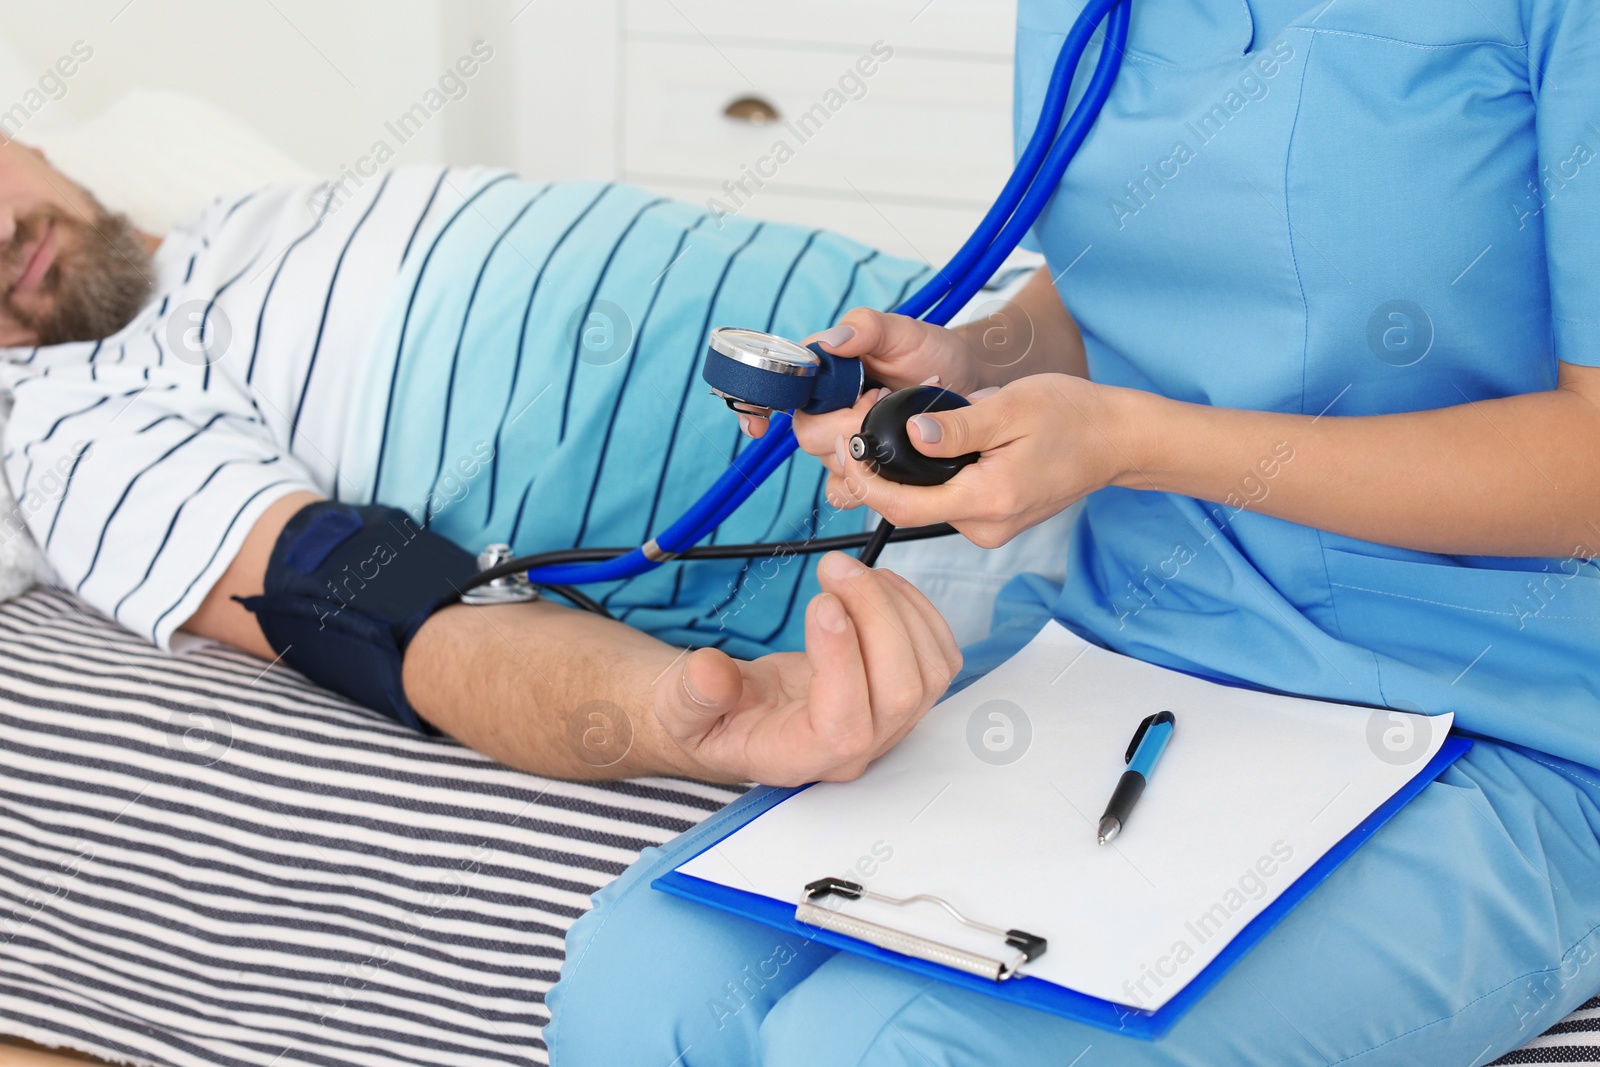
{"type": "Point", "coordinates": [141, 461]}
{"type": "Point", "coordinates": [506, 360]}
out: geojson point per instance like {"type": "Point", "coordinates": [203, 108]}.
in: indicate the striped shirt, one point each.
{"type": "Point", "coordinates": [506, 360]}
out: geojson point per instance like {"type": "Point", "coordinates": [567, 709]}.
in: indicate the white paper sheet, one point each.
{"type": "Point", "coordinates": [992, 804]}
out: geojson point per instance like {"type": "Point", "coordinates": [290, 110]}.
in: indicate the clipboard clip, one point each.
{"type": "Point", "coordinates": [1028, 946]}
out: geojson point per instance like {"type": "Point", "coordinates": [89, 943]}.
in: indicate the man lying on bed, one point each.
{"type": "Point", "coordinates": [497, 361]}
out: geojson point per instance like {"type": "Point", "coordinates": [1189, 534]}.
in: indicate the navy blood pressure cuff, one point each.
{"type": "Point", "coordinates": [347, 588]}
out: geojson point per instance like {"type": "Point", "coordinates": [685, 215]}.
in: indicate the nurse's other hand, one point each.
{"type": "Point", "coordinates": [1046, 440]}
{"type": "Point", "coordinates": [878, 656]}
{"type": "Point", "coordinates": [898, 351]}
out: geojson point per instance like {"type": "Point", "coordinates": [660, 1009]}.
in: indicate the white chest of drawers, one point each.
{"type": "Point", "coordinates": [888, 120]}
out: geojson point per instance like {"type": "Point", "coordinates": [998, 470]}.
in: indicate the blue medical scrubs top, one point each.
{"type": "Point", "coordinates": [1359, 208]}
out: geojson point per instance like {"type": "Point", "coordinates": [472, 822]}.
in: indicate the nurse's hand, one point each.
{"type": "Point", "coordinates": [1046, 441]}
{"type": "Point", "coordinates": [898, 351]}
{"type": "Point", "coordinates": [878, 656]}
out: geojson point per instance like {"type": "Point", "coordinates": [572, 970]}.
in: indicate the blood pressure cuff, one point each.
{"type": "Point", "coordinates": [346, 590]}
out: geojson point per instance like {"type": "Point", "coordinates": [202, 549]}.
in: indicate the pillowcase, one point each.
{"type": "Point", "coordinates": [161, 155]}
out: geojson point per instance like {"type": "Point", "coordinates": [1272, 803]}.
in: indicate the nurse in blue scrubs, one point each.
{"type": "Point", "coordinates": [1319, 341]}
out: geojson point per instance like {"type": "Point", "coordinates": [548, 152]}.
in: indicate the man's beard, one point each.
{"type": "Point", "coordinates": [100, 279]}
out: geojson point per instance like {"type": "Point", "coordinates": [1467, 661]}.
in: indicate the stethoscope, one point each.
{"type": "Point", "coordinates": [758, 373]}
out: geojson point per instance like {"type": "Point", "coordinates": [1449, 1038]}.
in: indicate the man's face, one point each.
{"type": "Point", "coordinates": [69, 269]}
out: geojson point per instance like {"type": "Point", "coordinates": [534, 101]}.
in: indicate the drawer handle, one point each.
{"type": "Point", "coordinates": [751, 110]}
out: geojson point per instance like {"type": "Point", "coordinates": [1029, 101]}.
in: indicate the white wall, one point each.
{"type": "Point", "coordinates": [636, 90]}
{"type": "Point", "coordinates": [320, 78]}
{"type": "Point", "coordinates": [623, 89]}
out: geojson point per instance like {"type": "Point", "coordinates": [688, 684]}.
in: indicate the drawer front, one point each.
{"type": "Point", "coordinates": [980, 26]}
{"type": "Point", "coordinates": [938, 129]}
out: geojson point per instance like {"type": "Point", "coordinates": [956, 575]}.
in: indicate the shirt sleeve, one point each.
{"type": "Point", "coordinates": [140, 482]}
{"type": "Point", "coordinates": [1564, 78]}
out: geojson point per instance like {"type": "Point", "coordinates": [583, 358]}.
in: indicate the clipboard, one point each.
{"type": "Point", "coordinates": [979, 945]}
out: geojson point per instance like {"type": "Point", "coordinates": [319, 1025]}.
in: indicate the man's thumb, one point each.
{"type": "Point", "coordinates": [708, 687]}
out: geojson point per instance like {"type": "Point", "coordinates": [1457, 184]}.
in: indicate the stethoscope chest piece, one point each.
{"type": "Point", "coordinates": [885, 439]}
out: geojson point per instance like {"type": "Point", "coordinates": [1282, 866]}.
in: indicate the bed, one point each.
{"type": "Point", "coordinates": [208, 861]}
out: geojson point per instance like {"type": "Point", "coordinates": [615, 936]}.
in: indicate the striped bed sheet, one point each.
{"type": "Point", "coordinates": [205, 862]}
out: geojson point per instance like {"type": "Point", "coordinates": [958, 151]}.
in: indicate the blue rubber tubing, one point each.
{"type": "Point", "coordinates": [1045, 135]}
{"type": "Point", "coordinates": [679, 537]}
{"type": "Point", "coordinates": [786, 447]}
{"type": "Point", "coordinates": [1039, 170]}
{"type": "Point", "coordinates": [742, 478]}
{"type": "Point", "coordinates": [1055, 167]}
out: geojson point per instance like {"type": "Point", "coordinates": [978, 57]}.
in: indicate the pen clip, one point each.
{"type": "Point", "coordinates": [1144, 728]}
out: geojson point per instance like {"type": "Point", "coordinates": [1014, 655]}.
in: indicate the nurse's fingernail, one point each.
{"type": "Point", "coordinates": [928, 429]}
{"type": "Point", "coordinates": [881, 393]}
{"type": "Point", "coordinates": [744, 424]}
{"type": "Point", "coordinates": [841, 453]}
{"type": "Point", "coordinates": [981, 393]}
{"type": "Point", "coordinates": [934, 380]}
{"type": "Point", "coordinates": [834, 337]}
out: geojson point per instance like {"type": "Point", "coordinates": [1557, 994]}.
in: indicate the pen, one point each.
{"type": "Point", "coordinates": [1149, 741]}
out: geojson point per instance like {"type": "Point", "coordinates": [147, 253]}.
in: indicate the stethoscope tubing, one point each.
{"type": "Point", "coordinates": [962, 265]}
{"type": "Point", "coordinates": [883, 532]}
{"type": "Point", "coordinates": [1039, 171]}
{"type": "Point", "coordinates": [742, 478]}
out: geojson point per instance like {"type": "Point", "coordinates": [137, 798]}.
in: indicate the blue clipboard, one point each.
{"type": "Point", "coordinates": [1046, 996]}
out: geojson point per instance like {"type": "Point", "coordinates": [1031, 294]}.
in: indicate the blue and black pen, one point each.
{"type": "Point", "coordinates": [1149, 741]}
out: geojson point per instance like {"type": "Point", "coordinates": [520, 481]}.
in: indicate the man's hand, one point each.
{"type": "Point", "coordinates": [878, 656]}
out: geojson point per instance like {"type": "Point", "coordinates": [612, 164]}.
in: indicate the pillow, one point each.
{"type": "Point", "coordinates": [19, 78]}
{"type": "Point", "coordinates": [161, 155]}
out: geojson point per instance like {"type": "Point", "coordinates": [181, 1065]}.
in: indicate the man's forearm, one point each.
{"type": "Point", "coordinates": [567, 694]}
{"type": "Point", "coordinates": [546, 688]}
{"type": "Point", "coordinates": [538, 686]}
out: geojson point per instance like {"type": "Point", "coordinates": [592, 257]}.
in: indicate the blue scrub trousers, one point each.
{"type": "Point", "coordinates": [1463, 929]}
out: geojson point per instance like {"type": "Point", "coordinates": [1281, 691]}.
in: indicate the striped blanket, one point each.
{"type": "Point", "coordinates": [204, 862]}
